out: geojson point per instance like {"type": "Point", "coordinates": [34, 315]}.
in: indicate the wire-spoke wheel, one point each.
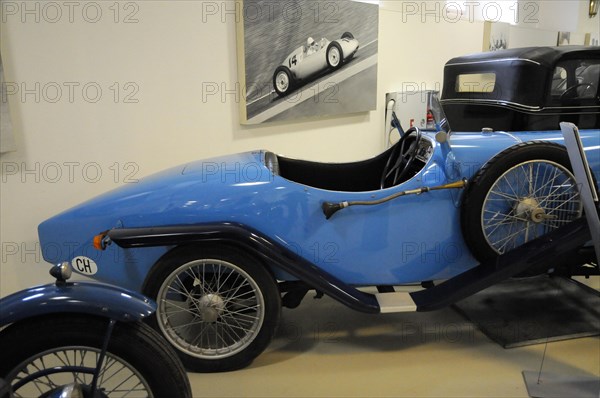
{"type": "Point", "coordinates": [75, 366]}
{"type": "Point", "coordinates": [521, 194]}
{"type": "Point", "coordinates": [528, 201]}
{"type": "Point", "coordinates": [53, 354]}
{"type": "Point", "coordinates": [218, 308]}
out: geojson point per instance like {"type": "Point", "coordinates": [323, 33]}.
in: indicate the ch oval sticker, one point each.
{"type": "Point", "coordinates": [84, 265]}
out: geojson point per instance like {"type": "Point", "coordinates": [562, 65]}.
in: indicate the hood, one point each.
{"type": "Point", "coordinates": [179, 195]}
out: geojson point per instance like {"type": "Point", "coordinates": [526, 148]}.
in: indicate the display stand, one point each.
{"type": "Point", "coordinates": [548, 385]}
{"type": "Point", "coordinates": [535, 310]}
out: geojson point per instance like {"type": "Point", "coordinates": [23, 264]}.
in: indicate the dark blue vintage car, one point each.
{"type": "Point", "coordinates": [222, 244]}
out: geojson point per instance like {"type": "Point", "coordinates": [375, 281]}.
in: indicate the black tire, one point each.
{"type": "Point", "coordinates": [248, 317]}
{"type": "Point", "coordinates": [283, 74]}
{"type": "Point", "coordinates": [487, 210]}
{"type": "Point", "coordinates": [335, 55]}
{"type": "Point", "coordinates": [135, 343]}
{"type": "Point", "coordinates": [347, 35]}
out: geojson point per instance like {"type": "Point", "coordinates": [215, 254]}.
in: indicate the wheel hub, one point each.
{"type": "Point", "coordinates": [210, 306]}
{"type": "Point", "coordinates": [333, 57]}
{"type": "Point", "coordinates": [282, 82]}
{"type": "Point", "coordinates": [530, 209]}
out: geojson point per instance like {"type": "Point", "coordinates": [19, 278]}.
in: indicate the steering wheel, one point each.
{"type": "Point", "coordinates": [572, 90]}
{"type": "Point", "coordinates": [400, 160]}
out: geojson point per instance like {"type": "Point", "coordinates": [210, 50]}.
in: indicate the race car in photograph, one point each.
{"type": "Point", "coordinates": [223, 244]}
{"type": "Point", "coordinates": [311, 59]}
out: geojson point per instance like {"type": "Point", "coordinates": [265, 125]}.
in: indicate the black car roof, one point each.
{"type": "Point", "coordinates": [546, 56]}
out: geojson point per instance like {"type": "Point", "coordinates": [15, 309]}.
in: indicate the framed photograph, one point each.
{"type": "Point", "coordinates": [591, 39]}
{"type": "Point", "coordinates": [495, 36]}
{"type": "Point", "coordinates": [7, 140]}
{"type": "Point", "coordinates": [306, 58]}
{"type": "Point", "coordinates": [564, 39]}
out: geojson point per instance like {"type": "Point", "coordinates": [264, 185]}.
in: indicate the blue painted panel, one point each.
{"type": "Point", "coordinates": [78, 297]}
{"type": "Point", "coordinates": [410, 239]}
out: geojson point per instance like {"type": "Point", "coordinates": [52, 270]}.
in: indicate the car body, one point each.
{"type": "Point", "coordinates": [264, 218]}
{"type": "Point", "coordinates": [243, 189]}
{"type": "Point", "coordinates": [311, 59]}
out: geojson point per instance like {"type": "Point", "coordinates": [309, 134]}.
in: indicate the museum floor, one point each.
{"type": "Point", "coordinates": [324, 349]}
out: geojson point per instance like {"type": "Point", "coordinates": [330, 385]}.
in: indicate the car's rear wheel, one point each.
{"type": "Point", "coordinates": [523, 193]}
{"type": "Point", "coordinates": [335, 55]}
{"type": "Point", "coordinates": [217, 306]}
{"type": "Point", "coordinates": [347, 35]}
{"type": "Point", "coordinates": [283, 82]}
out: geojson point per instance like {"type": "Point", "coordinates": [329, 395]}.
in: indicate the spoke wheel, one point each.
{"type": "Point", "coordinates": [521, 194]}
{"type": "Point", "coordinates": [44, 355]}
{"type": "Point", "coordinates": [210, 308]}
{"type": "Point", "coordinates": [528, 201]}
{"type": "Point", "coordinates": [75, 365]}
{"type": "Point", "coordinates": [218, 308]}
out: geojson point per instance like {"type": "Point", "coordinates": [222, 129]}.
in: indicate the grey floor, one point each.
{"type": "Point", "coordinates": [326, 350]}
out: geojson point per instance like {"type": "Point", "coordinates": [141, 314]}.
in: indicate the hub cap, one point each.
{"type": "Point", "coordinates": [333, 56]}
{"type": "Point", "coordinates": [529, 209]}
{"type": "Point", "coordinates": [210, 307]}
{"type": "Point", "coordinates": [283, 82]}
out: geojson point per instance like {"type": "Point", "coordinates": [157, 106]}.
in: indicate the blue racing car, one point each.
{"type": "Point", "coordinates": [223, 244]}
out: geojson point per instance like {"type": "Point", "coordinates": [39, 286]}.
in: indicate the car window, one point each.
{"type": "Point", "coordinates": [475, 83]}
{"type": "Point", "coordinates": [576, 80]}
{"type": "Point", "coordinates": [559, 80]}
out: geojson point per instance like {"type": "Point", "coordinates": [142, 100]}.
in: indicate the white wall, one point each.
{"type": "Point", "coordinates": [167, 54]}
{"type": "Point", "coordinates": [585, 23]}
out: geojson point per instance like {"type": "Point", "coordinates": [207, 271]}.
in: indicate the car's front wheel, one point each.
{"type": "Point", "coordinates": [218, 307]}
{"type": "Point", "coordinates": [335, 55]}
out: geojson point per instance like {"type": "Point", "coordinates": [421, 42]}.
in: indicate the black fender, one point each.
{"type": "Point", "coordinates": [76, 297]}
{"type": "Point", "coordinates": [556, 247]}
{"type": "Point", "coordinates": [270, 252]}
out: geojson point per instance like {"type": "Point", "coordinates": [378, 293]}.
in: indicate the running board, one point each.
{"type": "Point", "coordinates": [395, 302]}
{"type": "Point", "coordinates": [553, 249]}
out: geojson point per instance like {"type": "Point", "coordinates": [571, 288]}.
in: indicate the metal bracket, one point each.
{"type": "Point", "coordinates": [587, 190]}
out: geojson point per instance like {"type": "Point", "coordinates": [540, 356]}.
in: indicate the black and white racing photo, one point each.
{"type": "Point", "coordinates": [307, 58]}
